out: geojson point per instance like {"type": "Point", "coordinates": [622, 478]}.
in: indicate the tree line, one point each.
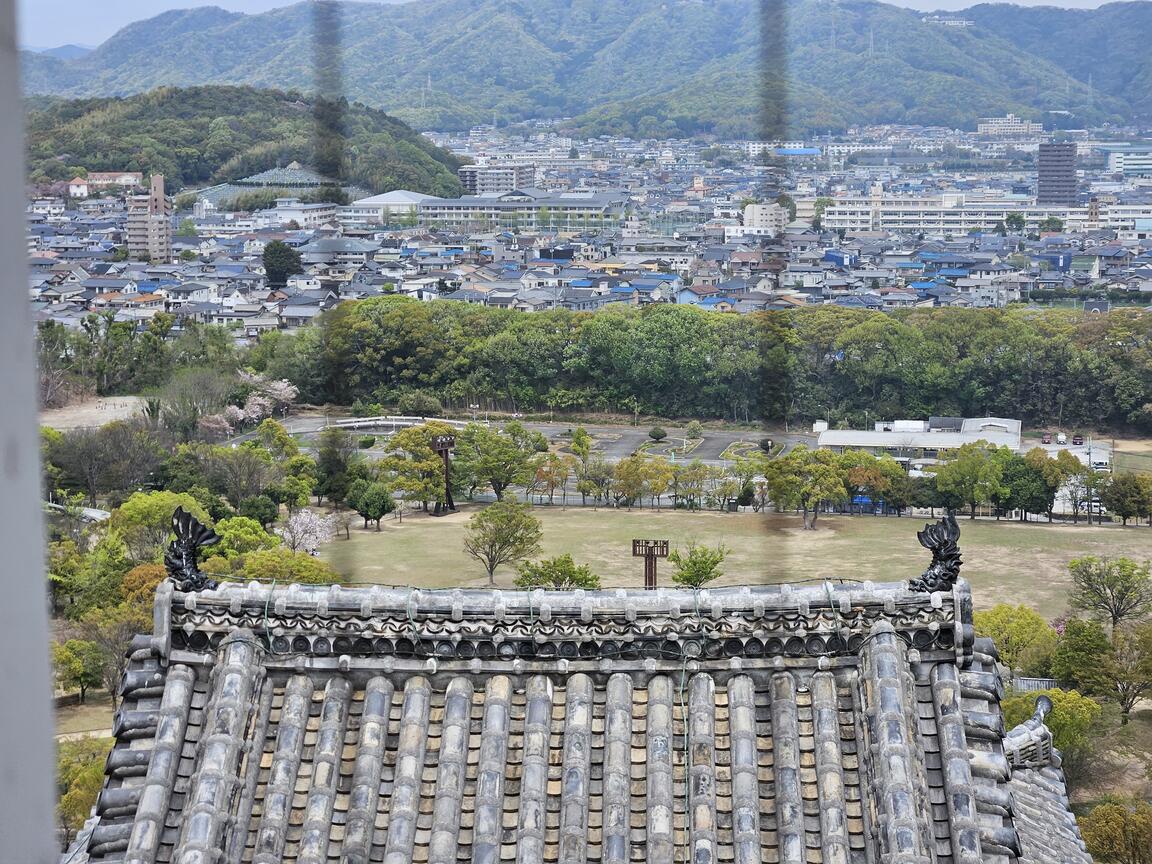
{"type": "Point", "coordinates": [1043, 366]}
{"type": "Point", "coordinates": [1051, 367]}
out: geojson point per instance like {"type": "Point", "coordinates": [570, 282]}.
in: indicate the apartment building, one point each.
{"type": "Point", "coordinates": [1056, 181]}
{"type": "Point", "coordinates": [1010, 126]}
{"type": "Point", "coordinates": [532, 210]}
{"type": "Point", "coordinates": [149, 224]}
{"type": "Point", "coordinates": [498, 177]}
{"type": "Point", "coordinates": [940, 214]}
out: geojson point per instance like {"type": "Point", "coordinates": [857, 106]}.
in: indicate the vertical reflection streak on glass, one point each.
{"type": "Point", "coordinates": [331, 104]}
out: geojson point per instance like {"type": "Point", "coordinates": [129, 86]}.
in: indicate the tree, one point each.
{"type": "Point", "coordinates": [1052, 223]}
{"type": "Point", "coordinates": [631, 479]}
{"type": "Point", "coordinates": [973, 474]}
{"type": "Point", "coordinates": [144, 521]}
{"type": "Point", "coordinates": [373, 503]}
{"type": "Point", "coordinates": [240, 535]}
{"type": "Point", "coordinates": [694, 430]}
{"type": "Point", "coordinates": [502, 533]}
{"type": "Point", "coordinates": [79, 779]}
{"type": "Point", "coordinates": [259, 508]}
{"type": "Point", "coordinates": [698, 565]}
{"type": "Point", "coordinates": [1081, 650]}
{"type": "Point", "coordinates": [803, 479]}
{"type": "Point", "coordinates": [1118, 831]}
{"type": "Point", "coordinates": [1129, 671]}
{"type": "Point", "coordinates": [66, 571]}
{"type": "Point", "coordinates": [241, 472]}
{"type": "Point", "coordinates": [419, 404]}
{"type": "Point", "coordinates": [581, 447]}
{"type": "Point", "coordinates": [1072, 722]}
{"type": "Point", "coordinates": [1125, 495]}
{"type": "Point", "coordinates": [495, 458]}
{"type": "Point", "coordinates": [276, 439]}
{"type": "Point", "coordinates": [556, 574]}
{"type": "Point", "coordinates": [112, 630]}
{"type": "Point", "coordinates": [305, 531]}
{"type": "Point", "coordinates": [1024, 639]}
{"type": "Point", "coordinates": [78, 664]}
{"type": "Point", "coordinates": [1052, 473]}
{"type": "Point", "coordinates": [657, 433]}
{"type": "Point", "coordinates": [191, 395]}
{"type": "Point", "coordinates": [1116, 589]}
{"type": "Point", "coordinates": [1015, 222]}
{"type": "Point", "coordinates": [280, 262]}
{"type": "Point", "coordinates": [138, 587]}
{"type": "Point", "coordinates": [417, 470]}
{"type": "Point", "coordinates": [1027, 486]}
{"type": "Point", "coordinates": [285, 566]}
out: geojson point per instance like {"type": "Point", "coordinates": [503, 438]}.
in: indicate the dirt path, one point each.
{"type": "Point", "coordinates": [91, 412]}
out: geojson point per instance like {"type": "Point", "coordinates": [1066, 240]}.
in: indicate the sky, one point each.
{"type": "Point", "coordinates": [50, 23]}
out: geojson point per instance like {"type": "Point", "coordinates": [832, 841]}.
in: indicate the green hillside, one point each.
{"type": "Point", "coordinates": [202, 135]}
{"type": "Point", "coordinates": [658, 66]}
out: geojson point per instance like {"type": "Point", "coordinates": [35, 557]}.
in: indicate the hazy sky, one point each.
{"type": "Point", "coordinates": [48, 23]}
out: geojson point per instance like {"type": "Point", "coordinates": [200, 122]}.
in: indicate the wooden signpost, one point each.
{"type": "Point", "coordinates": [444, 444]}
{"type": "Point", "coordinates": [650, 550]}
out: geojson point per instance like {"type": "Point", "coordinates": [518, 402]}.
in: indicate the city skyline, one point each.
{"type": "Point", "coordinates": [47, 24]}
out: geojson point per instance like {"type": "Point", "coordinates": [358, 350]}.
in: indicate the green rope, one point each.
{"type": "Point", "coordinates": [267, 629]}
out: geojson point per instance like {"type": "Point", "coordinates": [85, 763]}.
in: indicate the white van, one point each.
{"type": "Point", "coordinates": [1061, 438]}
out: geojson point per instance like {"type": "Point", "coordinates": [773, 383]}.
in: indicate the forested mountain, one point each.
{"type": "Point", "coordinates": [647, 66]}
{"type": "Point", "coordinates": [1108, 46]}
{"type": "Point", "coordinates": [201, 135]}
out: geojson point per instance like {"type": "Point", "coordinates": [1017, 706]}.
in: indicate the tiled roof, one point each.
{"type": "Point", "coordinates": [846, 724]}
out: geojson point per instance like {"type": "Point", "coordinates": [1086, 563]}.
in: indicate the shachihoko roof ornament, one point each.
{"type": "Point", "coordinates": [183, 553]}
{"type": "Point", "coordinates": [941, 539]}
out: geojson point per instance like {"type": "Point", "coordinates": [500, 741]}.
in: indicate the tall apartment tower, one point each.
{"type": "Point", "coordinates": [150, 223]}
{"type": "Point", "coordinates": [1056, 174]}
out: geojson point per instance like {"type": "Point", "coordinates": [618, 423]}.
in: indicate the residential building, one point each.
{"type": "Point", "coordinates": [765, 220]}
{"type": "Point", "coordinates": [124, 179]}
{"type": "Point", "coordinates": [496, 177]}
{"type": "Point", "coordinates": [1010, 126]}
{"type": "Point", "coordinates": [293, 210]}
{"type": "Point", "coordinates": [149, 225]}
{"type": "Point", "coordinates": [529, 210]}
{"type": "Point", "coordinates": [1056, 181]}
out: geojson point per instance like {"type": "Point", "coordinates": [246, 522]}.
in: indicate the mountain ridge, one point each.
{"type": "Point", "coordinates": [659, 67]}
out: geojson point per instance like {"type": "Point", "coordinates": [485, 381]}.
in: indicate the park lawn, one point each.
{"type": "Point", "coordinates": [1006, 562]}
{"type": "Point", "coordinates": [95, 715]}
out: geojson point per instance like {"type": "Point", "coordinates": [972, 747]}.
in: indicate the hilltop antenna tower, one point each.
{"type": "Point", "coordinates": [871, 44]}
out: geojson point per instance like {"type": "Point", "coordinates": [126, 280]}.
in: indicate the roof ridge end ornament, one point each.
{"type": "Point", "coordinates": [182, 557]}
{"type": "Point", "coordinates": [941, 540]}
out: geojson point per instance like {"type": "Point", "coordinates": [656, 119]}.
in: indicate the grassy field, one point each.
{"type": "Point", "coordinates": [94, 715]}
{"type": "Point", "coordinates": [1006, 562]}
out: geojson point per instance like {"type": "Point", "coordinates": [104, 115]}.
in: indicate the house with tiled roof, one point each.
{"type": "Point", "coordinates": [841, 722]}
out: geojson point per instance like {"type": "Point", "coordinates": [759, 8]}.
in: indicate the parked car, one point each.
{"type": "Point", "coordinates": [1061, 438]}
{"type": "Point", "coordinates": [1046, 438]}
{"type": "Point", "coordinates": [1077, 440]}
